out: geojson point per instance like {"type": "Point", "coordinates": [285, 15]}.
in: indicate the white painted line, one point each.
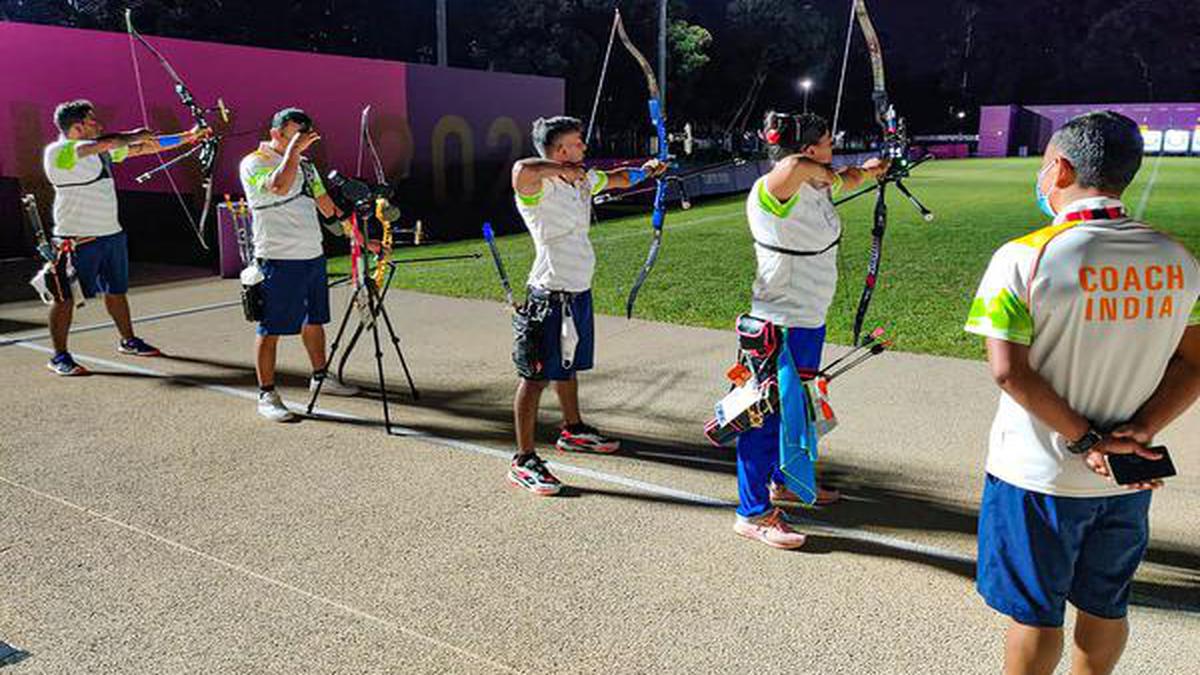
{"type": "Point", "coordinates": [7, 340]}
{"type": "Point", "coordinates": [1145, 199]}
{"type": "Point", "coordinates": [245, 571]}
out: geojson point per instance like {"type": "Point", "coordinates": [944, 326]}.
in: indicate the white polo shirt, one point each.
{"type": "Point", "coordinates": [1102, 303]}
{"type": "Point", "coordinates": [791, 290]}
{"type": "Point", "coordinates": [559, 218]}
{"type": "Point", "coordinates": [286, 226]}
{"type": "Point", "coordinates": [85, 196]}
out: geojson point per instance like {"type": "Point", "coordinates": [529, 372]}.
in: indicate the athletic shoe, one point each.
{"type": "Point", "coordinates": [580, 436]}
{"type": "Point", "coordinates": [781, 495]}
{"type": "Point", "coordinates": [63, 364]}
{"type": "Point", "coordinates": [333, 387]}
{"type": "Point", "coordinates": [271, 407]}
{"type": "Point", "coordinates": [137, 347]}
{"type": "Point", "coordinates": [770, 529]}
{"type": "Point", "coordinates": [530, 472]}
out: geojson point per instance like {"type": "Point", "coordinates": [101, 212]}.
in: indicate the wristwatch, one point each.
{"type": "Point", "coordinates": [1088, 441]}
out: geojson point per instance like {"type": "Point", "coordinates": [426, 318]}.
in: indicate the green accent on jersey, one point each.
{"type": "Point", "coordinates": [771, 205]}
{"type": "Point", "coordinates": [531, 200]}
{"type": "Point", "coordinates": [1039, 238]}
{"type": "Point", "coordinates": [1194, 317]}
{"type": "Point", "coordinates": [258, 178]}
{"type": "Point", "coordinates": [1004, 316]}
{"type": "Point", "coordinates": [66, 157]}
{"type": "Point", "coordinates": [601, 182]}
{"type": "Point", "coordinates": [118, 155]}
{"type": "Point", "coordinates": [317, 187]}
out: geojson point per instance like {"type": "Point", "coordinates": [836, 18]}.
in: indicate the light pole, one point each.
{"type": "Point", "coordinates": [806, 84]}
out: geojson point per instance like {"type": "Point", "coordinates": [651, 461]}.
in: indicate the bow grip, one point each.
{"type": "Point", "coordinates": [656, 117]}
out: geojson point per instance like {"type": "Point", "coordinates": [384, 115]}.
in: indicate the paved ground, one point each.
{"type": "Point", "coordinates": [152, 523]}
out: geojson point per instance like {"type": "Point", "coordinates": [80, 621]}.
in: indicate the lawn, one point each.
{"type": "Point", "coordinates": [929, 270]}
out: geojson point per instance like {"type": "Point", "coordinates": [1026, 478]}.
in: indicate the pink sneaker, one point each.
{"type": "Point", "coordinates": [781, 495]}
{"type": "Point", "coordinates": [770, 529]}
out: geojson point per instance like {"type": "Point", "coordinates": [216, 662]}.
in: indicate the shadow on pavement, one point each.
{"type": "Point", "coordinates": [873, 499]}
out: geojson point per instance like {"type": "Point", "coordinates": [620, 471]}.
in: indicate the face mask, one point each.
{"type": "Point", "coordinates": [1043, 199]}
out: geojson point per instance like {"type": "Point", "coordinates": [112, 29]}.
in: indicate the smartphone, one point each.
{"type": "Point", "coordinates": [1131, 468]}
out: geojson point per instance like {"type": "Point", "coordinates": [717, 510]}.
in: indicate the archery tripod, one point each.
{"type": "Point", "coordinates": [369, 300]}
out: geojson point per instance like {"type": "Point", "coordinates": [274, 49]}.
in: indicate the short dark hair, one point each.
{"type": "Point", "coordinates": [1105, 147]}
{"type": "Point", "coordinates": [70, 113]}
{"type": "Point", "coordinates": [291, 115]}
{"type": "Point", "coordinates": [790, 133]}
{"type": "Point", "coordinates": [547, 131]}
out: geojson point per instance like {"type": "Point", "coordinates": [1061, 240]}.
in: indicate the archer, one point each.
{"type": "Point", "coordinates": [554, 333]}
{"type": "Point", "coordinates": [90, 242]}
{"type": "Point", "coordinates": [796, 232]}
{"type": "Point", "coordinates": [285, 192]}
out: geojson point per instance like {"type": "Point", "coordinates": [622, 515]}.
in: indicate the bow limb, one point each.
{"type": "Point", "coordinates": [875, 51]}
{"type": "Point", "coordinates": [654, 103]}
{"type": "Point", "coordinates": [365, 141]}
{"type": "Point", "coordinates": [208, 147]}
{"type": "Point", "coordinates": [893, 145]}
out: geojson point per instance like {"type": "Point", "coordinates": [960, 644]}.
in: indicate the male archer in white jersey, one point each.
{"type": "Point", "coordinates": [554, 196]}
{"type": "Point", "coordinates": [80, 167]}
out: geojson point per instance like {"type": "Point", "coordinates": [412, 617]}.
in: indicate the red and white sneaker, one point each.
{"type": "Point", "coordinates": [781, 495]}
{"type": "Point", "coordinates": [771, 529]}
{"type": "Point", "coordinates": [585, 437]}
{"type": "Point", "coordinates": [529, 471]}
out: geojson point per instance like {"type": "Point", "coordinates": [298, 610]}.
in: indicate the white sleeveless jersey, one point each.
{"type": "Point", "coordinates": [793, 290]}
{"type": "Point", "coordinates": [85, 196]}
{"type": "Point", "coordinates": [559, 219]}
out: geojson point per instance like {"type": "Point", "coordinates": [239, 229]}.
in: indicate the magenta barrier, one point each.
{"type": "Point", "coordinates": [449, 145]}
{"type": "Point", "coordinates": [948, 150]}
{"type": "Point", "coordinates": [45, 65]}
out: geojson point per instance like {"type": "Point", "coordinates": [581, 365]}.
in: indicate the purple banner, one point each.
{"type": "Point", "coordinates": [45, 65]}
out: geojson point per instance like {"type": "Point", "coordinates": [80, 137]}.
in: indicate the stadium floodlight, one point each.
{"type": "Point", "coordinates": [806, 86]}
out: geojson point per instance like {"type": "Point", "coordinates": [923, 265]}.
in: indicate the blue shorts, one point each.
{"type": "Point", "coordinates": [758, 448]}
{"type": "Point", "coordinates": [581, 312]}
{"type": "Point", "coordinates": [102, 265]}
{"type": "Point", "coordinates": [1037, 552]}
{"type": "Point", "coordinates": [295, 293]}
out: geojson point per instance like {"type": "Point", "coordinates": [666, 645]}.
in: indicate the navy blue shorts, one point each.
{"type": "Point", "coordinates": [102, 265]}
{"type": "Point", "coordinates": [295, 293]}
{"type": "Point", "coordinates": [758, 448]}
{"type": "Point", "coordinates": [1037, 552]}
{"type": "Point", "coordinates": [581, 311]}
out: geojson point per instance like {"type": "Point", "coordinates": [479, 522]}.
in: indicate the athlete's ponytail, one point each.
{"type": "Point", "coordinates": [787, 133]}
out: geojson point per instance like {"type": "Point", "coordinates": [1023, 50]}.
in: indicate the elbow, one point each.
{"type": "Point", "coordinates": [1007, 378]}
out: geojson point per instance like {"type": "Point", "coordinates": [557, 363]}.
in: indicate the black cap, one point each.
{"type": "Point", "coordinates": [291, 115]}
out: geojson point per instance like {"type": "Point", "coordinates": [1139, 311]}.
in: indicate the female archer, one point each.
{"type": "Point", "coordinates": [796, 233]}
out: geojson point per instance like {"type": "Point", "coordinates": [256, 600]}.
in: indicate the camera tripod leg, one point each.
{"type": "Point", "coordinates": [387, 284]}
{"type": "Point", "coordinates": [400, 354]}
{"type": "Point", "coordinates": [333, 348]}
{"type": "Point", "coordinates": [373, 306]}
{"type": "Point", "coordinates": [349, 348]}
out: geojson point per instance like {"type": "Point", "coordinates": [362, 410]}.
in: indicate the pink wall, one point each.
{"type": "Point", "coordinates": [44, 65]}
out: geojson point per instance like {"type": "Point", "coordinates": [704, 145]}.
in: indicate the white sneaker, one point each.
{"type": "Point", "coordinates": [333, 387]}
{"type": "Point", "coordinates": [271, 407]}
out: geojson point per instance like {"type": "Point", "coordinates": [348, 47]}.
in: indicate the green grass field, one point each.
{"type": "Point", "coordinates": [929, 270]}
